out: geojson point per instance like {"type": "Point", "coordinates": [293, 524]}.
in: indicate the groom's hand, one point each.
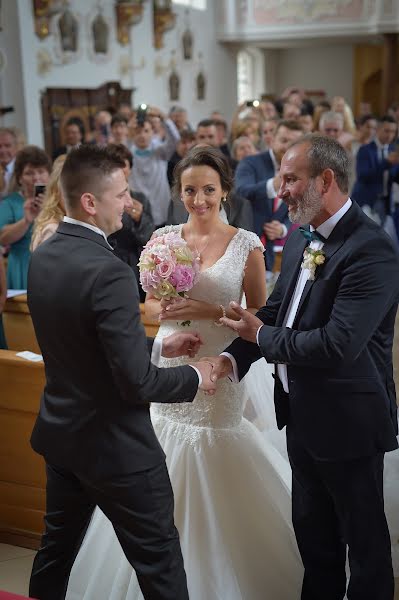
{"type": "Point", "coordinates": [205, 368]}
{"type": "Point", "coordinates": [248, 325]}
{"type": "Point", "coordinates": [181, 344]}
{"type": "Point", "coordinates": [221, 366]}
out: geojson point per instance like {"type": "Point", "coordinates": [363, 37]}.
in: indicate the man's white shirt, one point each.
{"type": "Point", "coordinates": [325, 229]}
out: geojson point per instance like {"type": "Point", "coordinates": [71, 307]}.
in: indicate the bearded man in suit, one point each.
{"type": "Point", "coordinates": [328, 326]}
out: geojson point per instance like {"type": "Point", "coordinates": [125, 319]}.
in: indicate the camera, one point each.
{"type": "Point", "coordinates": [40, 188]}
{"type": "Point", "coordinates": [141, 114]}
{"type": "Point", "coordinates": [252, 103]}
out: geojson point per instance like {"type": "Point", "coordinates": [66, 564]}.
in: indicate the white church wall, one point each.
{"type": "Point", "coordinates": [11, 80]}
{"type": "Point", "coordinates": [316, 67]}
{"type": "Point", "coordinates": [137, 65]}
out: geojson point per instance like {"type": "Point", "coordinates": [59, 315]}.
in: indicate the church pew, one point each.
{"type": "Point", "coordinates": [20, 333]}
{"type": "Point", "coordinates": [22, 473]}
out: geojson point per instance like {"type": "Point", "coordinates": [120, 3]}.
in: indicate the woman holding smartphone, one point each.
{"type": "Point", "coordinates": [19, 210]}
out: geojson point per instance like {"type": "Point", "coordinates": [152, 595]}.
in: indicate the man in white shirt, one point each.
{"type": "Point", "coordinates": [328, 327]}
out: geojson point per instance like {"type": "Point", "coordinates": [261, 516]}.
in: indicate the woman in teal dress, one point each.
{"type": "Point", "coordinates": [19, 210]}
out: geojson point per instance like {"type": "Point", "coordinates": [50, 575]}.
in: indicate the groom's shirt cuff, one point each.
{"type": "Point", "coordinates": [257, 334]}
{"type": "Point", "coordinates": [234, 376]}
{"type": "Point", "coordinates": [156, 352]}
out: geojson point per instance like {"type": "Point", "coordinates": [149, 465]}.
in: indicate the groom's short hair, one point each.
{"type": "Point", "coordinates": [326, 153]}
{"type": "Point", "coordinates": [86, 170]}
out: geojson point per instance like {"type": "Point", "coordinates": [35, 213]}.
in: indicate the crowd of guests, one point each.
{"type": "Point", "coordinates": [151, 143]}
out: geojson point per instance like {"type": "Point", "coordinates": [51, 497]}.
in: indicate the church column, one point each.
{"type": "Point", "coordinates": [390, 68]}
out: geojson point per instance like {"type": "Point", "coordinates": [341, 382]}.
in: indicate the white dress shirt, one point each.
{"type": "Point", "coordinates": [325, 229]}
{"type": "Point", "coordinates": [157, 345]}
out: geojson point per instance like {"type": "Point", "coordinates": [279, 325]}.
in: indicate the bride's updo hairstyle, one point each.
{"type": "Point", "coordinates": [207, 156]}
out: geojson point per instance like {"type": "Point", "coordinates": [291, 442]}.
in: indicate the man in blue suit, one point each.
{"type": "Point", "coordinates": [377, 167]}
{"type": "Point", "coordinates": [257, 178]}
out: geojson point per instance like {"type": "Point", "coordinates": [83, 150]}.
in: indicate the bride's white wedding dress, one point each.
{"type": "Point", "coordinates": [231, 485]}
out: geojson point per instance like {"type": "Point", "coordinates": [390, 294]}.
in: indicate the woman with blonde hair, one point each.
{"type": "Point", "coordinates": [53, 209]}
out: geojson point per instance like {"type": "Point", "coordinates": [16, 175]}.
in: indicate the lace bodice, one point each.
{"type": "Point", "coordinates": [219, 284]}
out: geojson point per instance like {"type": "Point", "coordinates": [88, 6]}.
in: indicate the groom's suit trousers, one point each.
{"type": "Point", "coordinates": [140, 506]}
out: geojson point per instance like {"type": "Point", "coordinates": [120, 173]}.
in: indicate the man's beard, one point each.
{"type": "Point", "coordinates": [308, 207]}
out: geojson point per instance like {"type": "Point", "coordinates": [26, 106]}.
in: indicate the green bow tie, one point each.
{"type": "Point", "coordinates": [312, 236]}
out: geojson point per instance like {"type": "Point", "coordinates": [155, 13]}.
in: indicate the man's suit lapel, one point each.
{"type": "Point", "coordinates": [296, 264]}
{"type": "Point", "coordinates": [83, 232]}
{"type": "Point", "coordinates": [333, 243]}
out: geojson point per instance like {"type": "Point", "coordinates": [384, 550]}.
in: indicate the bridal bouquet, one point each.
{"type": "Point", "coordinates": [168, 268]}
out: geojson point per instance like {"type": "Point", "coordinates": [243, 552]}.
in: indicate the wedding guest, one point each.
{"type": "Point", "coordinates": [377, 167]}
{"type": "Point", "coordinates": [8, 151]}
{"type": "Point", "coordinates": [137, 222]}
{"type": "Point", "coordinates": [338, 104]}
{"type": "Point", "coordinates": [186, 142]}
{"type": "Point", "coordinates": [73, 137]}
{"type": "Point", "coordinates": [242, 147]}
{"type": "Point", "coordinates": [53, 208]}
{"type": "Point", "coordinates": [101, 131]}
{"type": "Point", "coordinates": [268, 109]}
{"type": "Point", "coordinates": [19, 210]}
{"type": "Point", "coordinates": [3, 298]}
{"type": "Point", "coordinates": [269, 131]}
{"type": "Point", "coordinates": [257, 179]}
{"type": "Point", "coordinates": [306, 121]}
{"type": "Point", "coordinates": [150, 157]}
{"type": "Point", "coordinates": [119, 130]}
{"type": "Point", "coordinates": [179, 116]}
{"type": "Point", "coordinates": [291, 111]}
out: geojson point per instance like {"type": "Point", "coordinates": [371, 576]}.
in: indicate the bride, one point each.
{"type": "Point", "coordinates": [231, 485]}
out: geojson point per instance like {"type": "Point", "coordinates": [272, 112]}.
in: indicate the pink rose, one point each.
{"type": "Point", "coordinates": [165, 268]}
{"type": "Point", "coordinates": [149, 280]}
{"type": "Point", "coordinates": [182, 278]}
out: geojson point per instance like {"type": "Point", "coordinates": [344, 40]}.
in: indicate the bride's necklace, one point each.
{"type": "Point", "coordinates": [202, 250]}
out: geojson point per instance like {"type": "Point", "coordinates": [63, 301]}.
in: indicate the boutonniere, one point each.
{"type": "Point", "coordinates": [311, 260]}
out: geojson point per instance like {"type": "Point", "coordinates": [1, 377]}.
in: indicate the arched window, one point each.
{"type": "Point", "coordinates": [245, 76]}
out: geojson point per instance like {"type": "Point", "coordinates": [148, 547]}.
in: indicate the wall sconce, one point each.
{"type": "Point", "coordinates": [164, 19]}
{"type": "Point", "coordinates": [128, 13]}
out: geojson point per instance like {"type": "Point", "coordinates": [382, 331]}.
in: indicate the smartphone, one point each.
{"type": "Point", "coordinates": [141, 114]}
{"type": "Point", "coordinates": [40, 188]}
{"type": "Point", "coordinates": [252, 103]}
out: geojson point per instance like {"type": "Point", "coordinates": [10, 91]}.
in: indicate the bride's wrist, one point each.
{"type": "Point", "coordinates": [220, 313]}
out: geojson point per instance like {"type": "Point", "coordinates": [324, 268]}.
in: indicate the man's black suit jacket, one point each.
{"type": "Point", "coordinates": [339, 351]}
{"type": "Point", "coordinates": [94, 412]}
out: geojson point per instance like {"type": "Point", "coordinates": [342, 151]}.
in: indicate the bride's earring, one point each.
{"type": "Point", "coordinates": [224, 198]}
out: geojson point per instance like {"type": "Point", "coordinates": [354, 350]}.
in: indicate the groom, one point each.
{"type": "Point", "coordinates": [329, 330]}
{"type": "Point", "coordinates": [94, 427]}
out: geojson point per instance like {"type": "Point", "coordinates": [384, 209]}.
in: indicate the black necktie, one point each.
{"type": "Point", "coordinates": [312, 236]}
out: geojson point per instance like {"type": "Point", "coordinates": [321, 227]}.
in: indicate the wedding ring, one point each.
{"type": "Point", "coordinates": [134, 210]}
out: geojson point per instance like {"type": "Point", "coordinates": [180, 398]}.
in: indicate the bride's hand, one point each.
{"type": "Point", "coordinates": [188, 309]}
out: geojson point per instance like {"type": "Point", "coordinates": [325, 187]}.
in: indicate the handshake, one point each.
{"type": "Point", "coordinates": [188, 344]}
{"type": "Point", "coordinates": [246, 325]}
{"type": "Point", "coordinates": [212, 369]}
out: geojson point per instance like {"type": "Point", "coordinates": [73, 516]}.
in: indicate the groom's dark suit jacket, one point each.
{"type": "Point", "coordinates": [94, 413]}
{"type": "Point", "coordinates": [339, 351]}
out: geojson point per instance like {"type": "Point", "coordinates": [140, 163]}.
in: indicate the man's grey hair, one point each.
{"type": "Point", "coordinates": [326, 153]}
{"type": "Point", "coordinates": [331, 117]}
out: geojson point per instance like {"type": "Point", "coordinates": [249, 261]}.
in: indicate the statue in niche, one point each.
{"type": "Point", "coordinates": [68, 27]}
{"type": "Point", "coordinates": [201, 84]}
{"type": "Point", "coordinates": [187, 41]}
{"type": "Point", "coordinates": [174, 85]}
{"type": "Point", "coordinates": [100, 31]}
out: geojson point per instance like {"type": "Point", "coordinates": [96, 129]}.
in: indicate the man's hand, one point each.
{"type": "Point", "coordinates": [181, 344]}
{"type": "Point", "coordinates": [273, 230]}
{"type": "Point", "coordinates": [221, 366]}
{"type": "Point", "coordinates": [208, 385]}
{"type": "Point", "coordinates": [248, 325]}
